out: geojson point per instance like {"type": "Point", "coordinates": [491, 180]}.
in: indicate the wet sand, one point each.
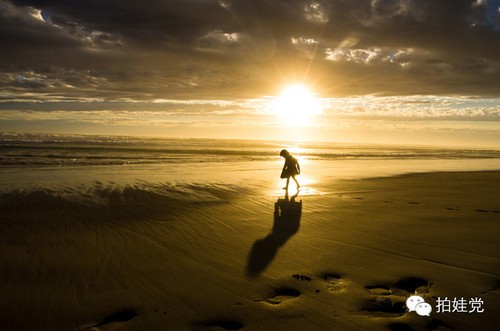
{"type": "Point", "coordinates": [342, 254]}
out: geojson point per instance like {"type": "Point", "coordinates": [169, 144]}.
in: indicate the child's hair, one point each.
{"type": "Point", "coordinates": [284, 152]}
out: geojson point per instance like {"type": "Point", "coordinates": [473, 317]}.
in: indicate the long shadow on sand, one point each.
{"type": "Point", "coordinates": [287, 214]}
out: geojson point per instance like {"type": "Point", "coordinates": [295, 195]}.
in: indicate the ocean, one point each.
{"type": "Point", "coordinates": [80, 177]}
{"type": "Point", "coordinates": [53, 150]}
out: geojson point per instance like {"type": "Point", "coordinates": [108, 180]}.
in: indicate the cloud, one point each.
{"type": "Point", "coordinates": [411, 108]}
{"type": "Point", "coordinates": [407, 108]}
{"type": "Point", "coordinates": [236, 49]}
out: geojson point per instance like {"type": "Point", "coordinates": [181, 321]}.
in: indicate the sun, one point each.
{"type": "Point", "coordinates": [296, 105]}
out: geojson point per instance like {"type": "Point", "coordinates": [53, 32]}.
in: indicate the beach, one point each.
{"type": "Point", "coordinates": [250, 165]}
{"type": "Point", "coordinates": [217, 245]}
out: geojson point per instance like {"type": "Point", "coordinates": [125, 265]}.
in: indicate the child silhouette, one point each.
{"type": "Point", "coordinates": [290, 169]}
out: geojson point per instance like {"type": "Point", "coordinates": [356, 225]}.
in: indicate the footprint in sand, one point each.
{"type": "Point", "coordinates": [403, 287]}
{"type": "Point", "coordinates": [281, 295]}
{"type": "Point", "coordinates": [334, 282]}
{"type": "Point", "coordinates": [390, 300]}
{"type": "Point", "coordinates": [385, 306]}
{"type": "Point", "coordinates": [112, 321]}
{"type": "Point", "coordinates": [414, 285]}
{"type": "Point", "coordinates": [301, 277]}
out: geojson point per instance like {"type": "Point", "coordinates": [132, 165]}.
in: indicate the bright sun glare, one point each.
{"type": "Point", "coordinates": [296, 105]}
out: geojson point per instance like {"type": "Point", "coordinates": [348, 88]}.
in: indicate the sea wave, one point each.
{"type": "Point", "coordinates": [38, 150]}
{"type": "Point", "coordinates": [71, 156]}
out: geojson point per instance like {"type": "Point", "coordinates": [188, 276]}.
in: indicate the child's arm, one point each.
{"type": "Point", "coordinates": [298, 167]}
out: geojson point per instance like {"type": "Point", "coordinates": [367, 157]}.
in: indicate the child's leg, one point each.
{"type": "Point", "coordinates": [287, 182]}
{"type": "Point", "coordinates": [296, 182]}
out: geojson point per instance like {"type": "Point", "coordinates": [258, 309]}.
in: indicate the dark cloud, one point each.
{"type": "Point", "coordinates": [241, 49]}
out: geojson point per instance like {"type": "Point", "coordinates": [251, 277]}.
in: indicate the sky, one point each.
{"type": "Point", "coordinates": [381, 71]}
